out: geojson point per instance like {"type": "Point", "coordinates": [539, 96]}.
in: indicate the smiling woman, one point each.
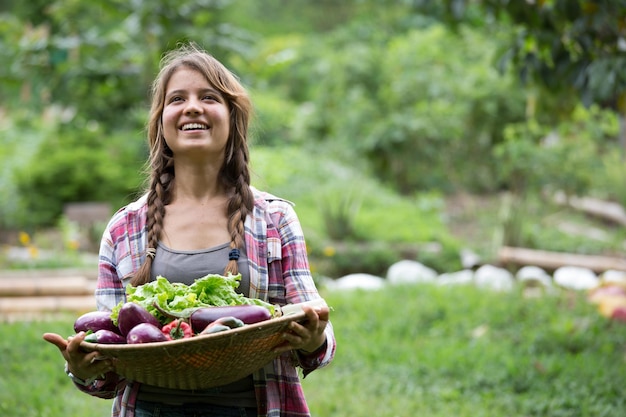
{"type": "Point", "coordinates": [201, 216]}
{"type": "Point", "coordinates": [195, 117]}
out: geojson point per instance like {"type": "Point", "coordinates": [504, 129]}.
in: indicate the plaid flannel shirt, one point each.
{"type": "Point", "coordinates": [279, 274]}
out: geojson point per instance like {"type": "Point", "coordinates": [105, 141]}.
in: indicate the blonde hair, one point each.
{"type": "Point", "coordinates": [234, 174]}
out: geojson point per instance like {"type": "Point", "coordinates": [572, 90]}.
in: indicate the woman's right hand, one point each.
{"type": "Point", "coordinates": [83, 365]}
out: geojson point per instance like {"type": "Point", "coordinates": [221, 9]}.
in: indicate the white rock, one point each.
{"type": "Point", "coordinates": [612, 275]}
{"type": "Point", "coordinates": [358, 281]}
{"type": "Point", "coordinates": [469, 259]}
{"type": "Point", "coordinates": [534, 274]}
{"type": "Point", "coordinates": [410, 272]}
{"type": "Point", "coordinates": [575, 278]}
{"type": "Point", "coordinates": [489, 276]}
{"type": "Point", "coordinates": [465, 276]}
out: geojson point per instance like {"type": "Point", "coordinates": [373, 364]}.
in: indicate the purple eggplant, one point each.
{"type": "Point", "coordinates": [248, 314]}
{"type": "Point", "coordinates": [131, 314]}
{"type": "Point", "coordinates": [94, 321]}
{"type": "Point", "coordinates": [145, 333]}
{"type": "Point", "coordinates": [105, 337]}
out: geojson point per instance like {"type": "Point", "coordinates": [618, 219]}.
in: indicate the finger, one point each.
{"type": "Point", "coordinates": [56, 340]}
{"type": "Point", "coordinates": [291, 341]}
{"type": "Point", "coordinates": [282, 348]}
{"type": "Point", "coordinates": [311, 314]}
{"type": "Point", "coordinates": [75, 350]}
{"type": "Point", "coordinates": [324, 314]}
{"type": "Point", "coordinates": [74, 342]}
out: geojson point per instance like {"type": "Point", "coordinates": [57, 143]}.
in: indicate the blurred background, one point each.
{"type": "Point", "coordinates": [441, 132]}
{"type": "Point", "coordinates": [401, 129]}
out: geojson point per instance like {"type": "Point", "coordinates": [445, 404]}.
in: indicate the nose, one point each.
{"type": "Point", "coordinates": [193, 106]}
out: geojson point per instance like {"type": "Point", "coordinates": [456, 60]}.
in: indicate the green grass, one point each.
{"type": "Point", "coordinates": [32, 381]}
{"type": "Point", "coordinates": [436, 351]}
{"type": "Point", "coordinates": [411, 350]}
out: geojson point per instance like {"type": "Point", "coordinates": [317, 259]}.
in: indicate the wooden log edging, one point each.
{"type": "Point", "coordinates": [39, 295]}
{"type": "Point", "coordinates": [606, 210]}
{"type": "Point", "coordinates": [40, 306]}
{"type": "Point", "coordinates": [46, 286]}
{"type": "Point", "coordinates": [554, 260]}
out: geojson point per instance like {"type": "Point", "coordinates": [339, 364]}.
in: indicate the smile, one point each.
{"type": "Point", "coordinates": [194, 126]}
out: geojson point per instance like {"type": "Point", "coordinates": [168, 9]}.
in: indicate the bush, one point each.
{"type": "Point", "coordinates": [352, 222]}
{"type": "Point", "coordinates": [79, 165]}
{"type": "Point", "coordinates": [21, 135]}
{"type": "Point", "coordinates": [537, 157]}
{"type": "Point", "coordinates": [424, 109]}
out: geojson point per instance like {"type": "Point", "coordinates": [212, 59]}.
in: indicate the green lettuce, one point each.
{"type": "Point", "coordinates": [164, 299]}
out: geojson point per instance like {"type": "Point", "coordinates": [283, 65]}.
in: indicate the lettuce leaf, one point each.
{"type": "Point", "coordinates": [181, 300]}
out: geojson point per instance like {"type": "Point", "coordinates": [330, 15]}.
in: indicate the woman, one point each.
{"type": "Point", "coordinates": [199, 216]}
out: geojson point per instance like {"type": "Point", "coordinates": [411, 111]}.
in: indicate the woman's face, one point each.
{"type": "Point", "coordinates": [196, 117]}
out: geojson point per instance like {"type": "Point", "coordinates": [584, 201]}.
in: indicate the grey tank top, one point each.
{"type": "Point", "coordinates": [185, 267]}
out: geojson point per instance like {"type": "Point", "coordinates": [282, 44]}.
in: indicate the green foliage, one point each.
{"type": "Point", "coordinates": [420, 105]}
{"type": "Point", "coordinates": [309, 179]}
{"type": "Point", "coordinates": [339, 209]}
{"type": "Point", "coordinates": [76, 166]}
{"type": "Point", "coordinates": [100, 57]}
{"type": "Point", "coordinates": [611, 184]}
{"type": "Point", "coordinates": [536, 159]}
{"type": "Point", "coordinates": [354, 223]}
{"type": "Point", "coordinates": [19, 140]}
{"type": "Point", "coordinates": [335, 259]}
{"type": "Point", "coordinates": [273, 117]}
{"type": "Point", "coordinates": [369, 90]}
{"type": "Point", "coordinates": [569, 47]}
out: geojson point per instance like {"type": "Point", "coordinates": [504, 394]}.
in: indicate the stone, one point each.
{"type": "Point", "coordinates": [575, 278]}
{"type": "Point", "coordinates": [410, 272]}
{"type": "Point", "coordinates": [358, 281]}
{"type": "Point", "coordinates": [489, 276]}
{"type": "Point", "coordinates": [614, 276]}
{"type": "Point", "coordinates": [534, 275]}
{"type": "Point", "coordinates": [469, 259]}
{"type": "Point", "coordinates": [465, 276]}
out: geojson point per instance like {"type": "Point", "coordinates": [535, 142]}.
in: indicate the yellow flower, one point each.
{"type": "Point", "coordinates": [329, 251]}
{"type": "Point", "coordinates": [33, 251]}
{"type": "Point", "coordinates": [24, 239]}
{"type": "Point", "coordinates": [73, 244]}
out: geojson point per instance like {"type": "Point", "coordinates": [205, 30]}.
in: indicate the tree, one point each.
{"type": "Point", "coordinates": [99, 57]}
{"type": "Point", "coordinates": [574, 49]}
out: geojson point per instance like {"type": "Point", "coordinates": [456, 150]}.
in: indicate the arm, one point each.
{"type": "Point", "coordinates": [90, 373]}
{"type": "Point", "coordinates": [313, 340]}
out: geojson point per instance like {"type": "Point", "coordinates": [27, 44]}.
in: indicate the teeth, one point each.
{"type": "Point", "coordinates": [190, 126]}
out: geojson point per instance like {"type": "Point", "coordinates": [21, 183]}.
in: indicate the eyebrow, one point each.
{"type": "Point", "coordinates": [184, 92]}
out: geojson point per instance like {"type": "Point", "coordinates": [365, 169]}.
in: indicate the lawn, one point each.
{"type": "Point", "coordinates": [406, 350]}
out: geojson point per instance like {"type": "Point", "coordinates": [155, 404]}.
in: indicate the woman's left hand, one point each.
{"type": "Point", "coordinates": [307, 335]}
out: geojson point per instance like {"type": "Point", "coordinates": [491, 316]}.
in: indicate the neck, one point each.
{"type": "Point", "coordinates": [197, 183]}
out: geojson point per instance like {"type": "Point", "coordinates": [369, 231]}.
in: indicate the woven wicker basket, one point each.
{"type": "Point", "coordinates": [200, 362]}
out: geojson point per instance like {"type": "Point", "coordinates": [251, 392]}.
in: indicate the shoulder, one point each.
{"type": "Point", "coordinates": [269, 203]}
{"type": "Point", "coordinates": [132, 213]}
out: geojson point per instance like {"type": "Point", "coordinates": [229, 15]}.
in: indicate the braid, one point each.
{"type": "Point", "coordinates": [240, 204]}
{"type": "Point", "coordinates": [157, 198]}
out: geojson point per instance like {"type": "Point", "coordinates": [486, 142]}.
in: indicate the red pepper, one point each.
{"type": "Point", "coordinates": [177, 329]}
